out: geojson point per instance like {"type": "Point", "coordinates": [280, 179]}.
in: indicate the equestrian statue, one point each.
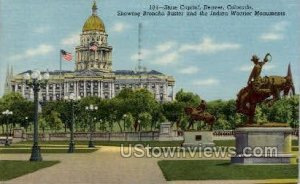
{"type": "Point", "coordinates": [259, 89]}
{"type": "Point", "coordinates": [199, 114]}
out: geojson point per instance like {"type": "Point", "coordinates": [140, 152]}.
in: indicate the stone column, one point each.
{"type": "Point", "coordinates": [30, 93]}
{"type": "Point", "coordinates": [109, 90]}
{"type": "Point", "coordinates": [16, 87]}
{"type": "Point", "coordinates": [65, 88]}
{"type": "Point", "coordinates": [84, 88]}
{"type": "Point", "coordinates": [47, 92]}
{"type": "Point", "coordinates": [23, 89]}
{"type": "Point", "coordinates": [92, 86]}
{"type": "Point", "coordinates": [112, 90]}
{"type": "Point", "coordinates": [99, 83]}
{"type": "Point", "coordinates": [101, 92]}
{"type": "Point", "coordinates": [172, 93]}
{"type": "Point", "coordinates": [54, 91]}
{"type": "Point", "coordinates": [157, 95]}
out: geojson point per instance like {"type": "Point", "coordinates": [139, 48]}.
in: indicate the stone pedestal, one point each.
{"type": "Point", "coordinates": [198, 139]}
{"type": "Point", "coordinates": [18, 132]}
{"type": "Point", "coordinates": [263, 145]}
{"type": "Point", "coordinates": [165, 133]}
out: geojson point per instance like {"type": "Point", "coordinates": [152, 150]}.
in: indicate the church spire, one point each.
{"type": "Point", "coordinates": [94, 8]}
{"type": "Point", "coordinates": [7, 81]}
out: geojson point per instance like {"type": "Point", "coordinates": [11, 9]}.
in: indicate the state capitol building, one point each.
{"type": "Point", "coordinates": [93, 74]}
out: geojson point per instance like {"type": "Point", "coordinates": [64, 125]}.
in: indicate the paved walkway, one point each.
{"type": "Point", "coordinates": [104, 166]}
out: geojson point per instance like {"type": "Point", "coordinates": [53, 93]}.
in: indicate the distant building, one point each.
{"type": "Point", "coordinates": [93, 75]}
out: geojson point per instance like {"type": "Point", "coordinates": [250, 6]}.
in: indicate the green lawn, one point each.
{"type": "Point", "coordinates": [11, 169]}
{"type": "Point", "coordinates": [105, 143]}
{"type": "Point", "coordinates": [223, 170]}
{"type": "Point", "coordinates": [46, 150]}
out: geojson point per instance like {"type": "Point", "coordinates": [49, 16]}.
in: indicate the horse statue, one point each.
{"type": "Point", "coordinates": [248, 98]}
{"type": "Point", "coordinates": [197, 114]}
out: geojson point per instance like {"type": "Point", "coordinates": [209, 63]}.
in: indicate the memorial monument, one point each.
{"type": "Point", "coordinates": [203, 138]}
{"type": "Point", "coordinates": [270, 142]}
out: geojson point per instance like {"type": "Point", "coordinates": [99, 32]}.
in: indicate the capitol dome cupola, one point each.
{"type": "Point", "coordinates": [94, 52]}
{"type": "Point", "coordinates": [94, 22]}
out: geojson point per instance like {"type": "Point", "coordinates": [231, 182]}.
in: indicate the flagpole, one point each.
{"type": "Point", "coordinates": [60, 67]}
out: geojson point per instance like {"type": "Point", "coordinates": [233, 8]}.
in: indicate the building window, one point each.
{"type": "Point", "coordinates": [161, 97]}
{"type": "Point", "coordinates": [106, 85]}
{"type": "Point", "coordinates": [117, 86]}
{"type": "Point", "coordinates": [153, 85]}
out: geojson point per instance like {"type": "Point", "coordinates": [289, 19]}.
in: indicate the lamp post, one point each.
{"type": "Point", "coordinates": [139, 124]}
{"type": "Point", "coordinates": [72, 98]}
{"type": "Point", "coordinates": [36, 80]}
{"type": "Point", "coordinates": [26, 123]}
{"type": "Point", "coordinates": [7, 113]}
{"type": "Point", "coordinates": [124, 118]}
{"type": "Point", "coordinates": [91, 108]}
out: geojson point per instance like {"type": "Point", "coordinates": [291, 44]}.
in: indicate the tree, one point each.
{"type": "Point", "coordinates": [55, 123]}
{"type": "Point", "coordinates": [20, 107]}
{"type": "Point", "coordinates": [145, 120]}
{"type": "Point", "coordinates": [128, 120]}
{"type": "Point", "coordinates": [43, 124]}
{"type": "Point", "coordinates": [136, 102]}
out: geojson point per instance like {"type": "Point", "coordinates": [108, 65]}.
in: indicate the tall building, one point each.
{"type": "Point", "coordinates": [93, 74]}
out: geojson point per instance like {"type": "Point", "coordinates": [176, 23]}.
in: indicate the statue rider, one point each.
{"type": "Point", "coordinates": [202, 106]}
{"type": "Point", "coordinates": [255, 80]}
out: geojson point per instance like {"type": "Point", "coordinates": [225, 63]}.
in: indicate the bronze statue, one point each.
{"type": "Point", "coordinates": [199, 114]}
{"type": "Point", "coordinates": [266, 89]}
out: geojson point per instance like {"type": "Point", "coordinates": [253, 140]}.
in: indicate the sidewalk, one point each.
{"type": "Point", "coordinates": [105, 166]}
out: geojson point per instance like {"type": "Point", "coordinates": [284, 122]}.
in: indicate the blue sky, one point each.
{"type": "Point", "coordinates": [207, 55]}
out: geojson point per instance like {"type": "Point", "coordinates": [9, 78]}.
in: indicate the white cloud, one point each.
{"type": "Point", "coordinates": [248, 68]}
{"type": "Point", "coordinates": [41, 29]}
{"type": "Point", "coordinates": [271, 36]}
{"type": "Point", "coordinates": [206, 82]}
{"type": "Point", "coordinates": [145, 54]}
{"type": "Point", "coordinates": [280, 26]}
{"type": "Point", "coordinates": [167, 58]}
{"type": "Point", "coordinates": [41, 50]}
{"type": "Point", "coordinates": [71, 40]}
{"type": "Point", "coordinates": [119, 27]}
{"type": "Point", "coordinates": [166, 46]}
{"type": "Point", "coordinates": [208, 46]}
{"type": "Point", "coordinates": [275, 33]}
{"type": "Point", "coordinates": [189, 70]}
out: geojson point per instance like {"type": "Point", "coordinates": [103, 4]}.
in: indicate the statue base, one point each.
{"type": "Point", "coordinates": [197, 139]}
{"type": "Point", "coordinates": [263, 145]}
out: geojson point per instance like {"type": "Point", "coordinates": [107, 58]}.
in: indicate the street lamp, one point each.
{"type": "Point", "coordinates": [36, 81]}
{"type": "Point", "coordinates": [72, 98]}
{"type": "Point", "coordinates": [26, 123]}
{"type": "Point", "coordinates": [91, 108]}
{"type": "Point", "coordinates": [139, 124]}
{"type": "Point", "coordinates": [124, 118]}
{"type": "Point", "coordinates": [7, 113]}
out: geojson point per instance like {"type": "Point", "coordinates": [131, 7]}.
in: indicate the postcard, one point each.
{"type": "Point", "coordinates": [149, 91]}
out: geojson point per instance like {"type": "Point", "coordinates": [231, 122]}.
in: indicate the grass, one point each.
{"type": "Point", "coordinates": [231, 143]}
{"type": "Point", "coordinates": [45, 150]}
{"type": "Point", "coordinates": [225, 143]}
{"type": "Point", "coordinates": [106, 143]}
{"type": "Point", "coordinates": [223, 170]}
{"type": "Point", "coordinates": [11, 169]}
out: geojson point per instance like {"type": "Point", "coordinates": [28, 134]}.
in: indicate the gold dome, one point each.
{"type": "Point", "coordinates": [94, 23]}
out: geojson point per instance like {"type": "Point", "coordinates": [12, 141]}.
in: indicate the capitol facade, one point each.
{"type": "Point", "coordinates": [93, 74]}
